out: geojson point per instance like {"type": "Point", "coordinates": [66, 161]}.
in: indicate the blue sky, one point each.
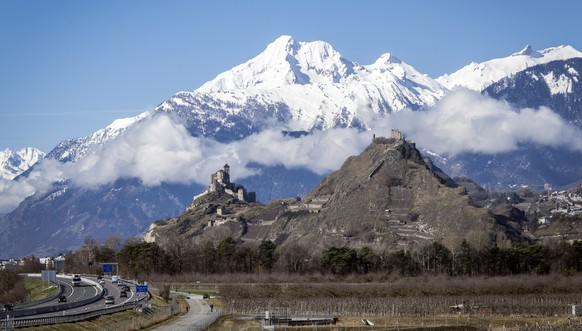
{"type": "Point", "coordinates": [69, 68]}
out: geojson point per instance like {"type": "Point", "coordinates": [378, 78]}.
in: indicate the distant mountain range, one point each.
{"type": "Point", "coordinates": [300, 89]}
{"type": "Point", "coordinates": [556, 85]}
{"type": "Point", "coordinates": [14, 163]}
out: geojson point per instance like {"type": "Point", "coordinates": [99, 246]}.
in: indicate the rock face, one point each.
{"type": "Point", "coordinates": [388, 197]}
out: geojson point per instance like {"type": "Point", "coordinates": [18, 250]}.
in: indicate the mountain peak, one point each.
{"type": "Point", "coordinates": [387, 58]}
{"type": "Point", "coordinates": [284, 39]}
{"type": "Point", "coordinates": [284, 62]}
{"type": "Point", "coordinates": [527, 51]}
{"type": "Point", "coordinates": [281, 47]}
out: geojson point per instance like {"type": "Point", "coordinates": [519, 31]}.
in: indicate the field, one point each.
{"type": "Point", "coordinates": [423, 303]}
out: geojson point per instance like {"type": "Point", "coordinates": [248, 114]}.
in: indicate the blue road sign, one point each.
{"type": "Point", "coordinates": [141, 288]}
{"type": "Point", "coordinates": [107, 268]}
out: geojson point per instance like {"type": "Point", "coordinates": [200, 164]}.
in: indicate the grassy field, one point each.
{"type": "Point", "coordinates": [38, 289]}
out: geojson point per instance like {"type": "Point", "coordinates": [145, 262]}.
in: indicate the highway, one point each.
{"type": "Point", "coordinates": [89, 296]}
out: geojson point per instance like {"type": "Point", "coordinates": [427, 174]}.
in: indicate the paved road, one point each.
{"type": "Point", "coordinates": [83, 292]}
{"type": "Point", "coordinates": [198, 316]}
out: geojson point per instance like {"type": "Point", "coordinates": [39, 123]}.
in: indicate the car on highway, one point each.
{"type": "Point", "coordinates": [123, 294]}
{"type": "Point", "coordinates": [205, 296]}
{"type": "Point", "coordinates": [101, 281]}
{"type": "Point", "coordinates": [62, 298]}
{"type": "Point", "coordinates": [8, 307]}
{"type": "Point", "coordinates": [109, 300]}
{"type": "Point", "coordinates": [125, 288]}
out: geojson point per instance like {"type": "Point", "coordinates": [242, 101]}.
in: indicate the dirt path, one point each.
{"type": "Point", "coordinates": [198, 316]}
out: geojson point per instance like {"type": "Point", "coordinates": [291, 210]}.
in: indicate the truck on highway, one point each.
{"type": "Point", "coordinates": [76, 280]}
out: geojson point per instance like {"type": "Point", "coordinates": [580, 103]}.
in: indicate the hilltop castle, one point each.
{"type": "Point", "coordinates": [220, 182]}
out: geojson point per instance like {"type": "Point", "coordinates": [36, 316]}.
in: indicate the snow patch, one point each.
{"type": "Point", "coordinates": [559, 85]}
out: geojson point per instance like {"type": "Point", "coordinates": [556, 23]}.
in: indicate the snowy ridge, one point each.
{"type": "Point", "coordinates": [284, 62]}
{"type": "Point", "coordinates": [309, 86]}
{"type": "Point", "coordinates": [477, 76]}
{"type": "Point", "coordinates": [13, 163]}
{"type": "Point", "coordinates": [74, 149]}
{"type": "Point", "coordinates": [319, 87]}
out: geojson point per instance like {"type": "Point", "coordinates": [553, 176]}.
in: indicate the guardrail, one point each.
{"type": "Point", "coordinates": [10, 319]}
{"type": "Point", "coordinates": [54, 308]}
{"type": "Point", "coordinates": [41, 301]}
{"type": "Point", "coordinates": [67, 318]}
{"type": "Point", "coordinates": [45, 300]}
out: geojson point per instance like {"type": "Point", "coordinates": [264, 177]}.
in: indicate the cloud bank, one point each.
{"type": "Point", "coordinates": [467, 121]}
{"type": "Point", "coordinates": [161, 149]}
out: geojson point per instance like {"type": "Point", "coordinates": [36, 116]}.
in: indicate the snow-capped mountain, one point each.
{"type": "Point", "coordinates": [477, 76]}
{"type": "Point", "coordinates": [556, 85]}
{"type": "Point", "coordinates": [304, 86]}
{"type": "Point", "coordinates": [13, 163]}
{"type": "Point", "coordinates": [292, 86]}
{"type": "Point", "coordinates": [74, 149]}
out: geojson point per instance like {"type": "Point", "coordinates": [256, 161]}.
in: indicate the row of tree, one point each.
{"type": "Point", "coordinates": [137, 259]}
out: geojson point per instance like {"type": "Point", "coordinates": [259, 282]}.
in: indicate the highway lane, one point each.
{"type": "Point", "coordinates": [111, 289]}
{"type": "Point", "coordinates": [90, 288]}
{"type": "Point", "coordinates": [60, 281]}
{"type": "Point", "coordinates": [90, 295]}
{"type": "Point", "coordinates": [73, 294]}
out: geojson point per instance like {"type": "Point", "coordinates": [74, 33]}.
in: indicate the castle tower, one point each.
{"type": "Point", "coordinates": [220, 175]}
{"type": "Point", "coordinates": [226, 176]}
{"type": "Point", "coordinates": [241, 192]}
{"type": "Point", "coordinates": [213, 184]}
{"type": "Point", "coordinates": [396, 134]}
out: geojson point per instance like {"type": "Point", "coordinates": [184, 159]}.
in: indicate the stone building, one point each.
{"type": "Point", "coordinates": [220, 182]}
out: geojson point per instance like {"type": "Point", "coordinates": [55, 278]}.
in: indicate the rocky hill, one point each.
{"type": "Point", "coordinates": [388, 197]}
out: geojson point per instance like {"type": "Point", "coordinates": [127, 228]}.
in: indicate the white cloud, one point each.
{"type": "Point", "coordinates": [161, 149]}
{"type": "Point", "coordinates": [155, 151]}
{"type": "Point", "coordinates": [13, 192]}
{"type": "Point", "coordinates": [467, 121]}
